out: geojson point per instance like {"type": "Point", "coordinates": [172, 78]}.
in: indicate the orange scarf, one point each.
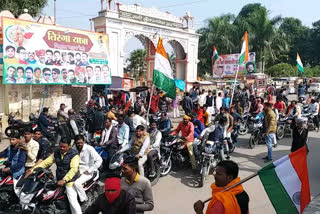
{"type": "Point", "coordinates": [228, 198]}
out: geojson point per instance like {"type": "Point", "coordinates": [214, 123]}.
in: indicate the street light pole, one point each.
{"type": "Point", "coordinates": [54, 12]}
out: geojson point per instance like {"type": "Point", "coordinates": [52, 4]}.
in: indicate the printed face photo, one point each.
{"type": "Point", "coordinates": [47, 75]}
{"type": "Point", "coordinates": [56, 56]}
{"type": "Point", "coordinates": [97, 71]}
{"type": "Point", "coordinates": [64, 56]}
{"type": "Point", "coordinates": [84, 58]}
{"type": "Point", "coordinates": [78, 57]}
{"type": "Point", "coordinates": [71, 74]}
{"type": "Point", "coordinates": [11, 53]}
{"type": "Point", "coordinates": [31, 56]}
{"type": "Point", "coordinates": [22, 55]}
{"type": "Point", "coordinates": [250, 68]}
{"type": "Point", "coordinates": [29, 73]}
{"type": "Point", "coordinates": [49, 55]}
{"type": "Point", "coordinates": [64, 74]}
{"type": "Point", "coordinates": [10, 72]}
{"type": "Point", "coordinates": [89, 71]}
{"type": "Point", "coordinates": [55, 75]}
{"type": "Point", "coordinates": [20, 72]}
{"type": "Point", "coordinates": [37, 73]}
{"type": "Point", "coordinates": [71, 58]}
{"type": "Point", "coordinates": [42, 59]}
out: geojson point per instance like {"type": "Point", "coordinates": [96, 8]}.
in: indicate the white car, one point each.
{"type": "Point", "coordinates": [314, 88]}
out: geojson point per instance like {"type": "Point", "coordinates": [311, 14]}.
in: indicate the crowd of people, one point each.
{"type": "Point", "coordinates": [122, 125]}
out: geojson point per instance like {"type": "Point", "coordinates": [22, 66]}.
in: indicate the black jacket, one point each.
{"type": "Point", "coordinates": [124, 204]}
{"type": "Point", "coordinates": [98, 121]}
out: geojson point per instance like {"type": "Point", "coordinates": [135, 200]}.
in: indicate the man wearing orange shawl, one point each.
{"type": "Point", "coordinates": [233, 201]}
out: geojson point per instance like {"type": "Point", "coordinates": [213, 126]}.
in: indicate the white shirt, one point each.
{"type": "Point", "coordinates": [105, 135]}
{"type": "Point", "coordinates": [138, 120]}
{"type": "Point", "coordinates": [218, 103]}
{"type": "Point", "coordinates": [144, 147]}
{"type": "Point", "coordinates": [202, 99]}
{"type": "Point", "coordinates": [90, 160]}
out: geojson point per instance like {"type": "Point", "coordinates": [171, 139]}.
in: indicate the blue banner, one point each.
{"type": "Point", "coordinates": [180, 84]}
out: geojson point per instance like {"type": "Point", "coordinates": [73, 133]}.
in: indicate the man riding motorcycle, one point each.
{"type": "Point", "coordinates": [90, 161]}
{"type": "Point", "coordinates": [61, 114]}
{"type": "Point", "coordinates": [16, 159]}
{"type": "Point", "coordinates": [109, 138]}
{"type": "Point", "coordinates": [155, 140]}
{"type": "Point", "coordinates": [31, 147]}
{"type": "Point", "coordinates": [140, 147]}
{"type": "Point", "coordinates": [215, 133]}
{"type": "Point", "coordinates": [164, 124]}
{"type": "Point", "coordinates": [67, 161]}
{"type": "Point", "coordinates": [43, 145]}
{"type": "Point", "coordinates": [187, 133]}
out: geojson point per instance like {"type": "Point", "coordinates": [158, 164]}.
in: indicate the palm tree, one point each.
{"type": "Point", "coordinates": [137, 63]}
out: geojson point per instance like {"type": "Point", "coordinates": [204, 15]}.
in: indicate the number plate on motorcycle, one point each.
{"type": "Point", "coordinates": [206, 154]}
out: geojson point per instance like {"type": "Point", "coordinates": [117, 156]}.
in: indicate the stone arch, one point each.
{"type": "Point", "coordinates": [181, 59]}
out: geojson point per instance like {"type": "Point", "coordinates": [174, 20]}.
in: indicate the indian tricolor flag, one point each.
{"type": "Point", "coordinates": [162, 73]}
{"type": "Point", "coordinates": [299, 64]}
{"type": "Point", "coordinates": [215, 55]}
{"type": "Point", "coordinates": [286, 182]}
{"type": "Point", "coordinates": [244, 55]}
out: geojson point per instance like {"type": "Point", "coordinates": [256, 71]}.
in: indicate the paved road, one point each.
{"type": "Point", "coordinates": [177, 192]}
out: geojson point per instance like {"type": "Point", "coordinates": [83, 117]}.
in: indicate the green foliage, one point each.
{"type": "Point", "coordinates": [282, 70]}
{"type": "Point", "coordinates": [16, 7]}
{"type": "Point", "coordinates": [275, 40]}
{"type": "Point", "coordinates": [138, 64]}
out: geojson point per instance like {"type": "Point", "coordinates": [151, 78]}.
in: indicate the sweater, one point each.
{"type": "Point", "coordinates": [141, 191]}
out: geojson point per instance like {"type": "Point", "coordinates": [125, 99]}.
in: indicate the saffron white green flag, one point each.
{"type": "Point", "coordinates": [244, 55]}
{"type": "Point", "coordinates": [299, 64]}
{"type": "Point", "coordinates": [215, 55]}
{"type": "Point", "coordinates": [286, 182]}
{"type": "Point", "coordinates": [162, 73]}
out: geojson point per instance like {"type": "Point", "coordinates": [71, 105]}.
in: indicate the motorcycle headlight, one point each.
{"type": "Point", "coordinates": [209, 149]}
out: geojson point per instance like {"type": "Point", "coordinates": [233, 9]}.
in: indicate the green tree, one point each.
{"type": "Point", "coordinates": [264, 36]}
{"type": "Point", "coordinates": [282, 70]}
{"type": "Point", "coordinates": [16, 7]}
{"type": "Point", "coordinates": [137, 63]}
{"type": "Point", "coordinates": [219, 32]}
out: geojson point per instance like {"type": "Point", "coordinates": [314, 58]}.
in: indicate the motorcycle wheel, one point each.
{"type": "Point", "coordinates": [9, 131]}
{"type": "Point", "coordinates": [204, 169]}
{"type": "Point", "coordinates": [154, 180]}
{"type": "Point", "coordinates": [243, 129]}
{"type": "Point", "coordinates": [280, 132]}
{"type": "Point", "coordinates": [252, 142]}
{"type": "Point", "coordinates": [164, 170]}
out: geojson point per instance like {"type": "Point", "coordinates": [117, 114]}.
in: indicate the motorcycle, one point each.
{"type": "Point", "coordinates": [257, 135]}
{"type": "Point", "coordinates": [40, 194]}
{"type": "Point", "coordinates": [246, 124]}
{"type": "Point", "coordinates": [283, 127]}
{"type": "Point", "coordinates": [19, 125]}
{"type": "Point", "coordinates": [309, 117]}
{"type": "Point", "coordinates": [7, 194]}
{"type": "Point", "coordinates": [117, 161]}
{"type": "Point", "coordinates": [212, 153]}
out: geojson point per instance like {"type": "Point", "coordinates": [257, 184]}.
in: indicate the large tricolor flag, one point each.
{"type": "Point", "coordinates": [286, 182]}
{"type": "Point", "coordinates": [215, 55]}
{"type": "Point", "coordinates": [162, 73]}
{"type": "Point", "coordinates": [244, 55]}
{"type": "Point", "coordinates": [299, 64]}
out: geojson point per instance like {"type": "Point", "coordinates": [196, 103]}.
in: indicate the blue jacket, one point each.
{"type": "Point", "coordinates": [198, 128]}
{"type": "Point", "coordinates": [43, 122]}
{"type": "Point", "coordinates": [16, 160]}
{"type": "Point", "coordinates": [165, 126]}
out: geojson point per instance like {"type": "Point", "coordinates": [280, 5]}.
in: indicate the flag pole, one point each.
{"type": "Point", "coordinates": [234, 185]}
{"type": "Point", "coordinates": [234, 85]}
{"type": "Point", "coordinates": [149, 104]}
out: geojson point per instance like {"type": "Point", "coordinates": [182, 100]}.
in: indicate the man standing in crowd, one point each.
{"type": "Point", "coordinates": [137, 185]}
{"type": "Point", "coordinates": [235, 200]}
{"type": "Point", "coordinates": [155, 140]}
{"type": "Point", "coordinates": [219, 101]}
{"type": "Point", "coordinates": [31, 147]}
{"type": "Point", "coordinates": [187, 103]}
{"type": "Point", "coordinates": [271, 128]}
{"type": "Point", "coordinates": [44, 145]}
{"type": "Point", "coordinates": [123, 133]}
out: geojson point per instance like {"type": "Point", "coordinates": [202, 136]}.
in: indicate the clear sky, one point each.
{"type": "Point", "coordinates": [76, 13]}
